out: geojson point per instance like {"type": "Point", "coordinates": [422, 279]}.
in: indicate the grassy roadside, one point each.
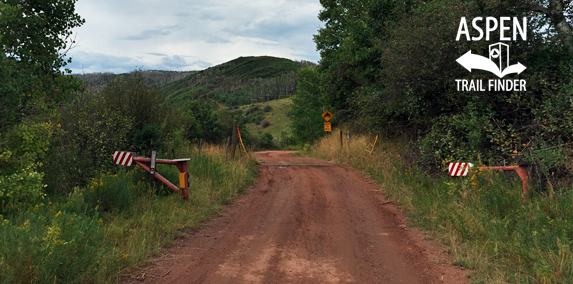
{"type": "Point", "coordinates": [482, 219]}
{"type": "Point", "coordinates": [98, 231]}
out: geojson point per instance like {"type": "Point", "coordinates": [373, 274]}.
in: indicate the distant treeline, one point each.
{"type": "Point", "coordinates": [156, 78]}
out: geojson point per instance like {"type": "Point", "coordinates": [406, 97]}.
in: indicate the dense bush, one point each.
{"type": "Point", "coordinates": [127, 115]}
{"type": "Point", "coordinates": [251, 110]}
{"type": "Point", "coordinates": [267, 141]}
{"type": "Point", "coordinates": [308, 105]}
{"type": "Point", "coordinates": [48, 241]}
{"type": "Point", "coordinates": [33, 86]}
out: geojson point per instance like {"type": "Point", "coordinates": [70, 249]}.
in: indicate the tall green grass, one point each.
{"type": "Point", "coordinates": [482, 218]}
{"type": "Point", "coordinates": [115, 222]}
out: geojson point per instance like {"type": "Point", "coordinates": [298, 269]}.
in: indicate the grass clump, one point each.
{"type": "Point", "coordinates": [482, 218]}
{"type": "Point", "coordinates": [115, 222]}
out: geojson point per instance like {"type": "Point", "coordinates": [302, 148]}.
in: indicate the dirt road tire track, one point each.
{"type": "Point", "coordinates": [305, 221]}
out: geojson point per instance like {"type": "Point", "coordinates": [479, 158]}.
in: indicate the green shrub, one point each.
{"type": "Point", "coordinates": [251, 110]}
{"type": "Point", "coordinates": [267, 141]}
{"type": "Point", "coordinates": [22, 150]}
{"type": "Point", "coordinates": [51, 242]}
{"type": "Point", "coordinates": [116, 192]}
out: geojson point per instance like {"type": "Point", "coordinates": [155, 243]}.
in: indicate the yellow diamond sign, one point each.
{"type": "Point", "coordinates": [327, 115]}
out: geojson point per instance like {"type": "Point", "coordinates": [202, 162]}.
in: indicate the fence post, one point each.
{"type": "Point", "coordinates": [348, 138]}
{"type": "Point", "coordinates": [341, 143]}
{"type": "Point", "coordinates": [234, 139]}
{"type": "Point", "coordinates": [227, 146]}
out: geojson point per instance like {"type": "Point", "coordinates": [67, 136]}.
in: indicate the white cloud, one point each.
{"type": "Point", "coordinates": [119, 36]}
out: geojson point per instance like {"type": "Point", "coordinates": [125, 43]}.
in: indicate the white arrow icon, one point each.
{"type": "Point", "coordinates": [473, 61]}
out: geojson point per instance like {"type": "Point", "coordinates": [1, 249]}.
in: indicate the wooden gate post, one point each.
{"type": "Point", "coordinates": [234, 139]}
{"type": "Point", "coordinates": [227, 146]}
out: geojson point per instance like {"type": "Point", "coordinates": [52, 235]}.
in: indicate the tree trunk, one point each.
{"type": "Point", "coordinates": [560, 22]}
{"type": "Point", "coordinates": [556, 14]}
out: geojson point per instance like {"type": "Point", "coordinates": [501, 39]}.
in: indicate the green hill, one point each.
{"type": "Point", "coordinates": [241, 81]}
{"type": "Point", "coordinates": [269, 117]}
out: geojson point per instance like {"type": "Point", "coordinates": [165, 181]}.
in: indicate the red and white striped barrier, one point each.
{"type": "Point", "coordinates": [459, 169]}
{"type": "Point", "coordinates": [123, 158]}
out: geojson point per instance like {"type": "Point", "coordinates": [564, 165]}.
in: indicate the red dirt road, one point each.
{"type": "Point", "coordinates": [305, 221]}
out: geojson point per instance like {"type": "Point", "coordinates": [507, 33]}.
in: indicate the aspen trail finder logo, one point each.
{"type": "Point", "coordinates": [498, 62]}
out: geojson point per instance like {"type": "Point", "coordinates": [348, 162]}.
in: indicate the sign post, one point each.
{"type": "Point", "coordinates": [327, 115]}
{"type": "Point", "coordinates": [234, 138]}
{"type": "Point", "coordinates": [152, 167]}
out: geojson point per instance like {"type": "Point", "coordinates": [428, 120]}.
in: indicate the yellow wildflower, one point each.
{"type": "Point", "coordinates": [59, 214]}
{"type": "Point", "coordinates": [36, 208]}
{"type": "Point", "coordinates": [125, 255]}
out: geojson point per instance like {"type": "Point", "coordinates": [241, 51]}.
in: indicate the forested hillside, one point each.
{"type": "Point", "coordinates": [390, 67]}
{"type": "Point", "coordinates": [241, 81]}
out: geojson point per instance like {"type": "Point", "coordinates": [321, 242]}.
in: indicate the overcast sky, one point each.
{"type": "Point", "coordinates": [120, 36]}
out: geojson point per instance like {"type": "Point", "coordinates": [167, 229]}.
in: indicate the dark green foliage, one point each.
{"type": "Point", "coordinates": [268, 108]}
{"type": "Point", "coordinates": [267, 141]}
{"type": "Point", "coordinates": [88, 134]}
{"type": "Point", "coordinates": [266, 124]}
{"type": "Point", "coordinates": [32, 37]}
{"type": "Point", "coordinates": [251, 110]}
{"type": "Point", "coordinates": [127, 115]}
{"type": "Point", "coordinates": [258, 67]}
{"type": "Point", "coordinates": [145, 139]}
{"type": "Point", "coordinates": [307, 124]}
{"type": "Point", "coordinates": [201, 122]}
